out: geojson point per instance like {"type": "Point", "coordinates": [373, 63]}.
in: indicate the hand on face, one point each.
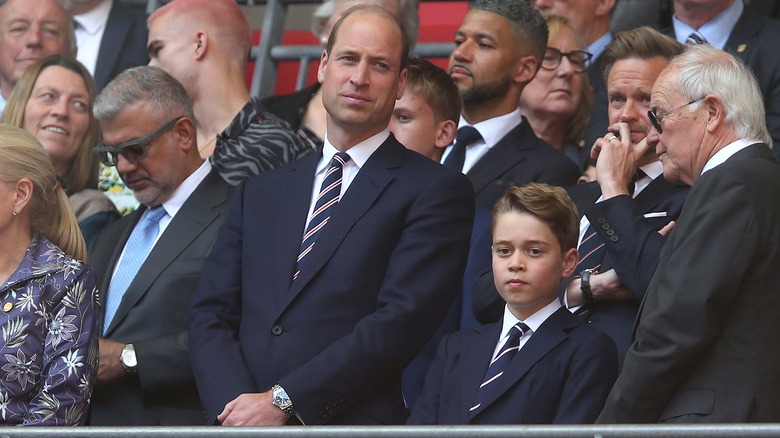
{"type": "Point", "coordinates": [617, 159]}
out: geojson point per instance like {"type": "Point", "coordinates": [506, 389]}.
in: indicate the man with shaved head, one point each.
{"type": "Point", "coordinates": [29, 31]}
{"type": "Point", "coordinates": [204, 44]}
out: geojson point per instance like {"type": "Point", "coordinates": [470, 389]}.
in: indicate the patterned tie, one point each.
{"type": "Point", "coordinates": [330, 192]}
{"type": "Point", "coordinates": [137, 249]}
{"type": "Point", "coordinates": [591, 251]}
{"type": "Point", "coordinates": [499, 363]}
{"type": "Point", "coordinates": [695, 38]}
{"type": "Point", "coordinates": [466, 135]}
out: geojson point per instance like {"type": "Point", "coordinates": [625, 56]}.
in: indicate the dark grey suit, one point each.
{"type": "Point", "coordinates": [154, 310]}
{"type": "Point", "coordinates": [708, 331]}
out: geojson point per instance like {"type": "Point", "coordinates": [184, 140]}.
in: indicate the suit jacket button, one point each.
{"type": "Point", "coordinates": [276, 330]}
{"type": "Point", "coordinates": [605, 226]}
{"type": "Point", "coordinates": [601, 220]}
{"type": "Point", "coordinates": [614, 238]}
{"type": "Point", "coordinates": [610, 232]}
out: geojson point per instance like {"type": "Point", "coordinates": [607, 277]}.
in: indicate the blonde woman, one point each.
{"type": "Point", "coordinates": [48, 348]}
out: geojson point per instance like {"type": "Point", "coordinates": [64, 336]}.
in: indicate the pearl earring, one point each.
{"type": "Point", "coordinates": [14, 213]}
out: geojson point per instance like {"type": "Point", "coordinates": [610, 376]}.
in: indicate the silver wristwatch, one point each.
{"type": "Point", "coordinates": [282, 401]}
{"type": "Point", "coordinates": [128, 360]}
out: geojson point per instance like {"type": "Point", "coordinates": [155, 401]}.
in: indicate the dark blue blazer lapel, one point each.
{"type": "Point", "coordinates": [117, 28]}
{"type": "Point", "coordinates": [503, 156]}
{"type": "Point", "coordinates": [369, 183]}
{"type": "Point", "coordinates": [480, 346]}
{"type": "Point", "coordinates": [743, 36]}
{"type": "Point", "coordinates": [551, 333]}
{"type": "Point", "coordinates": [584, 195]}
{"type": "Point", "coordinates": [190, 222]}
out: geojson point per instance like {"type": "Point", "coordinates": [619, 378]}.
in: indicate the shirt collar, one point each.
{"type": "Point", "coordinates": [716, 31]}
{"type": "Point", "coordinates": [493, 130]}
{"type": "Point", "coordinates": [726, 152]}
{"type": "Point", "coordinates": [653, 170]}
{"type": "Point", "coordinates": [533, 322]}
{"type": "Point", "coordinates": [359, 153]}
{"type": "Point", "coordinates": [596, 48]}
{"type": "Point", "coordinates": [185, 189]}
{"type": "Point", "coordinates": [95, 19]}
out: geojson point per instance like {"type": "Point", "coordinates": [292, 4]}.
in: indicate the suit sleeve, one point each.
{"type": "Point", "coordinates": [426, 408]}
{"type": "Point", "coordinates": [594, 370]}
{"type": "Point", "coordinates": [215, 352]}
{"type": "Point", "coordinates": [632, 243]}
{"type": "Point", "coordinates": [694, 291]}
{"type": "Point", "coordinates": [424, 273]}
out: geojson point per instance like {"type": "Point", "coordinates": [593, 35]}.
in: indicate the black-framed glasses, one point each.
{"type": "Point", "coordinates": [577, 58]}
{"type": "Point", "coordinates": [656, 119]}
{"type": "Point", "coordinates": [133, 150]}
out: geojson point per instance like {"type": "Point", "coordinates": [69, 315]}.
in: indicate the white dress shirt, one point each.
{"type": "Point", "coordinates": [533, 322]}
{"type": "Point", "coordinates": [89, 34]}
{"type": "Point", "coordinates": [492, 131]}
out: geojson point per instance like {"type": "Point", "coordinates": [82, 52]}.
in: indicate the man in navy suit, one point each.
{"type": "Point", "coordinates": [742, 31]}
{"type": "Point", "coordinates": [625, 223]}
{"type": "Point", "coordinates": [282, 331]}
{"type": "Point", "coordinates": [498, 50]}
{"type": "Point", "coordinates": [111, 36]}
{"type": "Point", "coordinates": [540, 364]}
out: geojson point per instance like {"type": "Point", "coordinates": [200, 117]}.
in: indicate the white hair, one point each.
{"type": "Point", "coordinates": [703, 69]}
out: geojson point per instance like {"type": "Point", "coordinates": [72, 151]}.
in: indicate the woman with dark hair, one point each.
{"type": "Point", "coordinates": [49, 343]}
{"type": "Point", "coordinates": [53, 101]}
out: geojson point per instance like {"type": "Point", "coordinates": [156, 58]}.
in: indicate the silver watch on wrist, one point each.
{"type": "Point", "coordinates": [281, 400]}
{"type": "Point", "coordinates": [128, 360]}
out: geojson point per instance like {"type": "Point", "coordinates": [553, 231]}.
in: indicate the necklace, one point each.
{"type": "Point", "coordinates": [200, 149]}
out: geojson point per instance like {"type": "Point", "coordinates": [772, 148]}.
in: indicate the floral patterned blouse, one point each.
{"type": "Point", "coordinates": [49, 327]}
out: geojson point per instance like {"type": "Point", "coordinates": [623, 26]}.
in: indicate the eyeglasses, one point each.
{"type": "Point", "coordinates": [657, 119]}
{"type": "Point", "coordinates": [133, 150]}
{"type": "Point", "coordinates": [577, 58]}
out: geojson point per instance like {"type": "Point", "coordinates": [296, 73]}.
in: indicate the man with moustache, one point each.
{"type": "Point", "coordinates": [498, 50]}
{"type": "Point", "coordinates": [313, 301]}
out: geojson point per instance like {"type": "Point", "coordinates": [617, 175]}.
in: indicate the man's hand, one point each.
{"type": "Point", "coordinates": [617, 159]}
{"type": "Point", "coordinates": [667, 229]}
{"type": "Point", "coordinates": [109, 367]}
{"type": "Point", "coordinates": [606, 286]}
{"type": "Point", "coordinates": [252, 410]}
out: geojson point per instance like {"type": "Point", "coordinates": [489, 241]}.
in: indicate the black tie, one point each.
{"type": "Point", "coordinates": [637, 176]}
{"type": "Point", "coordinates": [466, 135]}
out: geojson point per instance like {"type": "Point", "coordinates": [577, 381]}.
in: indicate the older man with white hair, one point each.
{"type": "Point", "coordinates": [706, 339]}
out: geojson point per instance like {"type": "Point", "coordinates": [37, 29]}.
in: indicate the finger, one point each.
{"type": "Point", "coordinates": [625, 132]}
{"type": "Point", "coordinates": [596, 149]}
{"type": "Point", "coordinates": [667, 228]}
{"type": "Point", "coordinates": [642, 148]}
{"type": "Point", "coordinates": [225, 412]}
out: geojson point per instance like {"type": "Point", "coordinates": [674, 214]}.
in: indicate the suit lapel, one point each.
{"type": "Point", "coordinates": [740, 42]}
{"type": "Point", "coordinates": [117, 27]}
{"type": "Point", "coordinates": [503, 156]}
{"type": "Point", "coordinates": [551, 333]}
{"type": "Point", "coordinates": [191, 220]}
{"type": "Point", "coordinates": [369, 183]}
{"type": "Point", "coordinates": [481, 347]}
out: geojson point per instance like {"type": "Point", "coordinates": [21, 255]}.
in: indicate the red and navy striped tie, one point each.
{"type": "Point", "coordinates": [329, 195]}
{"type": "Point", "coordinates": [499, 364]}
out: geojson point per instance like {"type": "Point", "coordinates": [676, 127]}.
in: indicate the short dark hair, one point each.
{"type": "Point", "coordinates": [549, 204]}
{"type": "Point", "coordinates": [640, 43]}
{"type": "Point", "coordinates": [380, 11]}
{"type": "Point", "coordinates": [528, 24]}
{"type": "Point", "coordinates": [436, 87]}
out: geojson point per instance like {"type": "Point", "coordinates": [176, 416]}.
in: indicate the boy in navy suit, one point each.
{"type": "Point", "coordinates": [539, 365]}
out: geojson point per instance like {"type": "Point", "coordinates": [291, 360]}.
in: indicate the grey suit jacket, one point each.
{"type": "Point", "coordinates": [708, 331]}
{"type": "Point", "coordinates": [153, 313]}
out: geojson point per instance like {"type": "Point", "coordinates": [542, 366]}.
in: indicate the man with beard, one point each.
{"type": "Point", "coordinates": [498, 50]}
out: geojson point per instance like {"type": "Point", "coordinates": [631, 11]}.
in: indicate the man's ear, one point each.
{"type": "Point", "coordinates": [184, 133]}
{"type": "Point", "coordinates": [570, 259]}
{"type": "Point", "coordinates": [201, 45]}
{"type": "Point", "coordinates": [401, 83]}
{"type": "Point", "coordinates": [322, 67]}
{"type": "Point", "coordinates": [716, 114]}
{"type": "Point", "coordinates": [445, 133]}
{"type": "Point", "coordinates": [526, 69]}
{"type": "Point", "coordinates": [604, 7]}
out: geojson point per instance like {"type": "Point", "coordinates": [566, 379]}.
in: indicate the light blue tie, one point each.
{"type": "Point", "coordinates": [137, 248]}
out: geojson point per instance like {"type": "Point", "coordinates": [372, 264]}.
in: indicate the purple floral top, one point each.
{"type": "Point", "coordinates": [49, 342]}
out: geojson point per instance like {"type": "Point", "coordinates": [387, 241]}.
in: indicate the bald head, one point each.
{"type": "Point", "coordinates": [29, 31]}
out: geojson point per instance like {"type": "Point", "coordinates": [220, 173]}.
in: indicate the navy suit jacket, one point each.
{"type": "Point", "coordinates": [629, 227]}
{"type": "Point", "coordinates": [382, 275]}
{"type": "Point", "coordinates": [599, 116]}
{"type": "Point", "coordinates": [518, 158]}
{"type": "Point", "coordinates": [153, 312]}
{"type": "Point", "coordinates": [123, 44]}
{"type": "Point", "coordinates": [561, 375]}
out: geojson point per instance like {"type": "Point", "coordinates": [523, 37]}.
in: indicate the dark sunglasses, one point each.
{"type": "Point", "coordinates": [133, 150]}
{"type": "Point", "coordinates": [657, 119]}
{"type": "Point", "coordinates": [577, 58]}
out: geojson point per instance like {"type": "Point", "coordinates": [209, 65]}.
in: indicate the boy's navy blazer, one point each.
{"type": "Point", "coordinates": [563, 374]}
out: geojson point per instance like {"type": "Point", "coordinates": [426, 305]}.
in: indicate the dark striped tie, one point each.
{"type": "Point", "coordinates": [591, 251]}
{"type": "Point", "coordinates": [499, 364]}
{"type": "Point", "coordinates": [329, 195]}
